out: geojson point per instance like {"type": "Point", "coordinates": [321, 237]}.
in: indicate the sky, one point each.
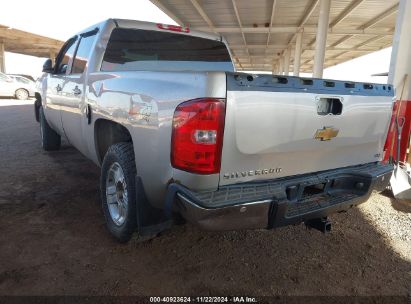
{"type": "Point", "coordinates": [54, 19]}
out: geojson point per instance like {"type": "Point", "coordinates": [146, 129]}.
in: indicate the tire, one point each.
{"type": "Point", "coordinates": [50, 140]}
{"type": "Point", "coordinates": [22, 94]}
{"type": "Point", "coordinates": [118, 191]}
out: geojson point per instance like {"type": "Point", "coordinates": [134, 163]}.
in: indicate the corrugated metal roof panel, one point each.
{"type": "Point", "coordinates": [345, 41]}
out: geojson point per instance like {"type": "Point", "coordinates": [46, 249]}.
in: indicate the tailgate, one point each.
{"type": "Point", "coordinates": [281, 126]}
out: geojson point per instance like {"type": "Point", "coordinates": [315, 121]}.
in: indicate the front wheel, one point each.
{"type": "Point", "coordinates": [22, 94]}
{"type": "Point", "coordinates": [118, 191]}
{"type": "Point", "coordinates": [50, 140]}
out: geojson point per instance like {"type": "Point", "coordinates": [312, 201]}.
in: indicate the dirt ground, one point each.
{"type": "Point", "coordinates": [53, 240]}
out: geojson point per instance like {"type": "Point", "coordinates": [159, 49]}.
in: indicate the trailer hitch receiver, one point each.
{"type": "Point", "coordinates": [321, 224]}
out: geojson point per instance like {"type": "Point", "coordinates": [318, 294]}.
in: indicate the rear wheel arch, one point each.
{"type": "Point", "coordinates": [113, 143]}
{"type": "Point", "coordinates": [118, 191]}
{"type": "Point", "coordinates": [108, 133]}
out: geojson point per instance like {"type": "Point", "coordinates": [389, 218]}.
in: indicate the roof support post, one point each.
{"type": "Point", "coordinates": [281, 66]}
{"type": "Point", "coordinates": [2, 58]}
{"type": "Point", "coordinates": [53, 57]}
{"type": "Point", "coordinates": [400, 64]}
{"type": "Point", "coordinates": [321, 38]}
{"type": "Point", "coordinates": [400, 67]}
{"type": "Point", "coordinates": [297, 53]}
{"type": "Point", "coordinates": [287, 53]}
{"type": "Point", "coordinates": [274, 68]}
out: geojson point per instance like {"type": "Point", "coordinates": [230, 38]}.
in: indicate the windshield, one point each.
{"type": "Point", "coordinates": [136, 50]}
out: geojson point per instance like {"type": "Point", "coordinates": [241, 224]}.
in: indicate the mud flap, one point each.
{"type": "Point", "coordinates": [150, 220]}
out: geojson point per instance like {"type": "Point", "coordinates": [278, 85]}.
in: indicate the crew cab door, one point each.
{"type": "Point", "coordinates": [55, 83]}
{"type": "Point", "coordinates": [74, 110]}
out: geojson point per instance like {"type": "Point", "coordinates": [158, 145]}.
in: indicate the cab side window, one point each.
{"type": "Point", "coordinates": [65, 55]}
{"type": "Point", "coordinates": [82, 54]}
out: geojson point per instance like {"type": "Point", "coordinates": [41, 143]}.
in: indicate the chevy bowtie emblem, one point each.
{"type": "Point", "coordinates": [326, 133]}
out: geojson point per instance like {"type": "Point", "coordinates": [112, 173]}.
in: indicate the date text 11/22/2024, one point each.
{"type": "Point", "coordinates": [208, 299]}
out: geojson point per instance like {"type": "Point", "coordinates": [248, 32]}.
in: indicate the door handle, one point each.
{"type": "Point", "coordinates": [76, 91]}
{"type": "Point", "coordinates": [59, 88]}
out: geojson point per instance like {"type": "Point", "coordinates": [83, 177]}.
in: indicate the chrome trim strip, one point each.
{"type": "Point", "coordinates": [181, 196]}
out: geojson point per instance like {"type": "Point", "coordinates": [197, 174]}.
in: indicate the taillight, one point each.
{"type": "Point", "coordinates": [197, 136]}
{"type": "Point", "coordinates": [173, 28]}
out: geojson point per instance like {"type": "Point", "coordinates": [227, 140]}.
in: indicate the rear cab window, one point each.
{"type": "Point", "coordinates": [145, 50]}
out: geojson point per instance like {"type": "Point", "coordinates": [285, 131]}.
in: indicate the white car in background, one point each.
{"type": "Point", "coordinates": [16, 86]}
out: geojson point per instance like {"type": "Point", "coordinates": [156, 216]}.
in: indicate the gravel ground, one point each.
{"type": "Point", "coordinates": [392, 219]}
{"type": "Point", "coordinates": [53, 240]}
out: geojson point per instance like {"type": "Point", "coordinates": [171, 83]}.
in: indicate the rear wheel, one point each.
{"type": "Point", "coordinates": [22, 94]}
{"type": "Point", "coordinates": [50, 140]}
{"type": "Point", "coordinates": [118, 191]}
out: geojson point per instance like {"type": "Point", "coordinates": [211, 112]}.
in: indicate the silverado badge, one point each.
{"type": "Point", "coordinates": [326, 133]}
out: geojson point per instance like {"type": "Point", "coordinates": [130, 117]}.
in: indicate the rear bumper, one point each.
{"type": "Point", "coordinates": [280, 202]}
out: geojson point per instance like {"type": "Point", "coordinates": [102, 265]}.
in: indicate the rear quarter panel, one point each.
{"type": "Point", "coordinates": [144, 103]}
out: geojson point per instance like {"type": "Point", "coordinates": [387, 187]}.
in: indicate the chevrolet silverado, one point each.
{"type": "Point", "coordinates": [180, 135]}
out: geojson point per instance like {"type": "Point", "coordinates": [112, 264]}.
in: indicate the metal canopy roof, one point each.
{"type": "Point", "coordinates": [259, 31]}
{"type": "Point", "coordinates": [26, 43]}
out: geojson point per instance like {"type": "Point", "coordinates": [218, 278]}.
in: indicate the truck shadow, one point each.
{"type": "Point", "coordinates": [54, 241]}
{"type": "Point", "coordinates": [399, 205]}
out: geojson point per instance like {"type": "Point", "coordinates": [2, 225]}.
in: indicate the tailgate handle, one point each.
{"type": "Point", "coordinates": [329, 106]}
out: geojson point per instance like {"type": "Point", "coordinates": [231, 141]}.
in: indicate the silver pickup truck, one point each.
{"type": "Point", "coordinates": [180, 135]}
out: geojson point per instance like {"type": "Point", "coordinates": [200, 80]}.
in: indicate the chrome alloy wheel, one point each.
{"type": "Point", "coordinates": [116, 194]}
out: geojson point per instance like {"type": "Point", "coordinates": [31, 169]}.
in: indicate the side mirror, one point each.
{"type": "Point", "coordinates": [48, 66]}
